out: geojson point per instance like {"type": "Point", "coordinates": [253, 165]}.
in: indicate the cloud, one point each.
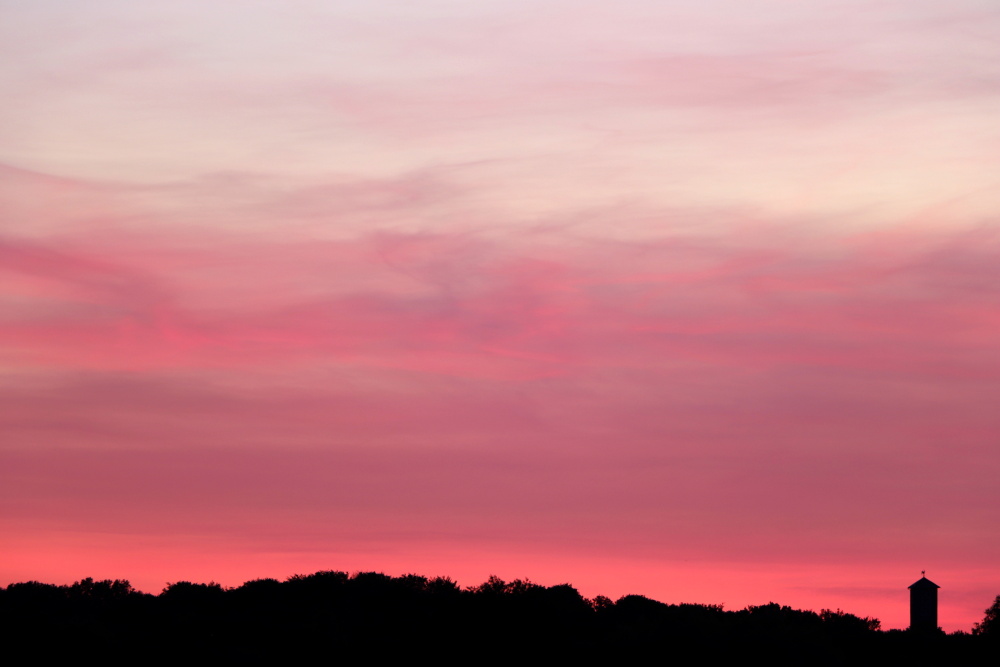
{"type": "Point", "coordinates": [918, 309]}
{"type": "Point", "coordinates": [683, 397]}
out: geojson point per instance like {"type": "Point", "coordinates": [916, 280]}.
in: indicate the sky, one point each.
{"type": "Point", "coordinates": [693, 299]}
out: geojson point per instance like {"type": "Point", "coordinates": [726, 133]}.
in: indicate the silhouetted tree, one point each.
{"type": "Point", "coordinates": [602, 603]}
{"type": "Point", "coordinates": [105, 591]}
{"type": "Point", "coordinates": [442, 586]}
{"type": "Point", "coordinates": [492, 586]}
{"type": "Point", "coordinates": [843, 622]}
{"type": "Point", "coordinates": [990, 625]}
{"type": "Point", "coordinates": [186, 591]}
{"type": "Point", "coordinates": [34, 594]}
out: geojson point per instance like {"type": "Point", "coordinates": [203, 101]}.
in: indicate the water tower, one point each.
{"type": "Point", "coordinates": [923, 606]}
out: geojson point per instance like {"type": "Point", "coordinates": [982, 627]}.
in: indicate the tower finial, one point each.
{"type": "Point", "coordinates": [923, 573]}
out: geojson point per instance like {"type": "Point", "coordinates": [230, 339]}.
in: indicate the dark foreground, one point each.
{"type": "Point", "coordinates": [333, 616]}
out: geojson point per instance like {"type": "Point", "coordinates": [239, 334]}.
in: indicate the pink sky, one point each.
{"type": "Point", "coordinates": [698, 300]}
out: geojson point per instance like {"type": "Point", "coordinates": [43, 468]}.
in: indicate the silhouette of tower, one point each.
{"type": "Point", "coordinates": [923, 606]}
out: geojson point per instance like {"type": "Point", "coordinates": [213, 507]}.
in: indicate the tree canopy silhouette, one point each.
{"type": "Point", "coordinates": [990, 625]}
{"type": "Point", "coordinates": [333, 614]}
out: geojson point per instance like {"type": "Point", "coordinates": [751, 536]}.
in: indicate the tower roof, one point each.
{"type": "Point", "coordinates": [923, 582]}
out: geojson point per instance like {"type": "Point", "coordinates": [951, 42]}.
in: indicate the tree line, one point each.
{"type": "Point", "coordinates": [332, 613]}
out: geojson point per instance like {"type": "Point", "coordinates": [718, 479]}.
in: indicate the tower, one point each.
{"type": "Point", "coordinates": [923, 606]}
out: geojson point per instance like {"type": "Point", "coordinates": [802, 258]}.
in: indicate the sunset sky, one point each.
{"type": "Point", "coordinates": [698, 299]}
